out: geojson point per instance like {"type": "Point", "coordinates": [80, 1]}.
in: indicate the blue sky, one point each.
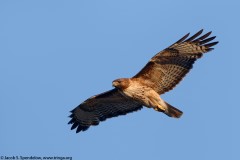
{"type": "Point", "coordinates": [55, 54]}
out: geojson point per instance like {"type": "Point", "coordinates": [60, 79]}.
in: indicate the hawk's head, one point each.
{"type": "Point", "coordinates": [121, 83]}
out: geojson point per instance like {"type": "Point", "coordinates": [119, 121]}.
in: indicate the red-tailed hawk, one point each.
{"type": "Point", "coordinates": [161, 74]}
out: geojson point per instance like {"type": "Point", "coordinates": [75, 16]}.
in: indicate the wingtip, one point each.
{"type": "Point", "coordinates": [183, 38]}
{"type": "Point", "coordinates": [81, 128]}
{"type": "Point", "coordinates": [75, 124]}
{"type": "Point", "coordinates": [204, 41]}
{"type": "Point", "coordinates": [200, 31]}
{"type": "Point", "coordinates": [194, 36]}
{"type": "Point", "coordinates": [71, 115]}
{"type": "Point", "coordinates": [211, 44]}
{"type": "Point", "coordinates": [78, 130]}
{"type": "Point", "coordinates": [71, 121]}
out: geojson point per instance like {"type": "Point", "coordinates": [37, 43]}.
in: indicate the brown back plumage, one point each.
{"type": "Point", "coordinates": [167, 68]}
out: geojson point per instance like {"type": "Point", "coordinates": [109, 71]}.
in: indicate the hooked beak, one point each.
{"type": "Point", "coordinates": [114, 84]}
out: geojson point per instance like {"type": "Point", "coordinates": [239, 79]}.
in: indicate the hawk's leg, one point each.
{"type": "Point", "coordinates": [160, 108]}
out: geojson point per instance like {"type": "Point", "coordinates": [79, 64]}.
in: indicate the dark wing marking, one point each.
{"type": "Point", "coordinates": [100, 107]}
{"type": "Point", "coordinates": [167, 68]}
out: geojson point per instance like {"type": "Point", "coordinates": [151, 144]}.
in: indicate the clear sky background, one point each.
{"type": "Point", "coordinates": [55, 54]}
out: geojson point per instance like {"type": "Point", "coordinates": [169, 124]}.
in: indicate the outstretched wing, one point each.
{"type": "Point", "coordinates": [167, 68]}
{"type": "Point", "coordinates": [99, 108]}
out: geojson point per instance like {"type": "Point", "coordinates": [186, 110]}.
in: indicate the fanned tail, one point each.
{"type": "Point", "coordinates": [170, 111]}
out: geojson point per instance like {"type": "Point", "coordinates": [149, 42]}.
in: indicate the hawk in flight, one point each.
{"type": "Point", "coordinates": [161, 74]}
